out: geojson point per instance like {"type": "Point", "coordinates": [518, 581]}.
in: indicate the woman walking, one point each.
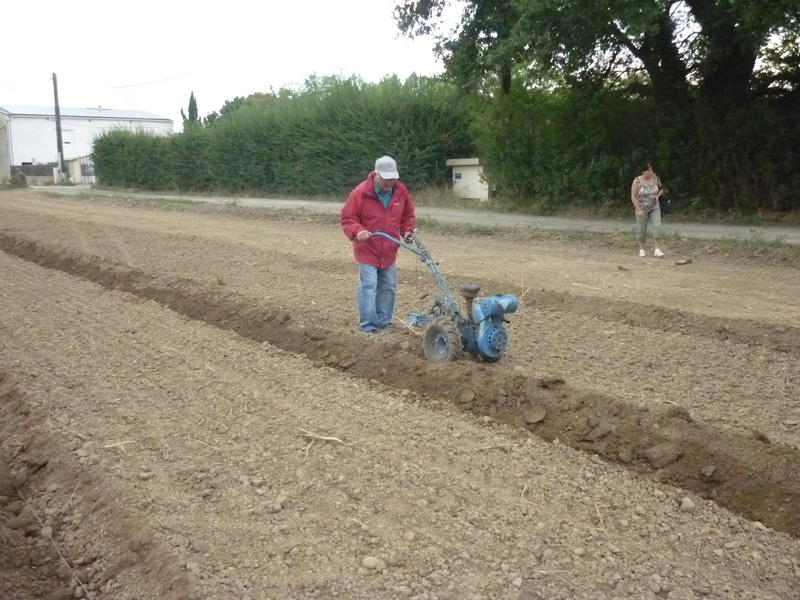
{"type": "Point", "coordinates": [645, 192]}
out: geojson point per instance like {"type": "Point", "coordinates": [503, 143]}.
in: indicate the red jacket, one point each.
{"type": "Point", "coordinates": [364, 210]}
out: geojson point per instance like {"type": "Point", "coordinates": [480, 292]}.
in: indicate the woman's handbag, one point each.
{"type": "Point", "coordinates": [665, 204]}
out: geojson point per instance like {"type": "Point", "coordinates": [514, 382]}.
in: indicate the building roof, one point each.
{"type": "Point", "coordinates": [463, 162]}
{"type": "Point", "coordinates": [82, 113]}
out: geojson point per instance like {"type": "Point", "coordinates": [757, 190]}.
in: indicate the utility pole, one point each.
{"type": "Point", "coordinates": [59, 139]}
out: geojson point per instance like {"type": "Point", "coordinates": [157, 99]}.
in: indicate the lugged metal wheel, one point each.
{"type": "Point", "coordinates": [441, 341]}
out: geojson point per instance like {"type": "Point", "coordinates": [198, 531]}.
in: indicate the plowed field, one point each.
{"type": "Point", "coordinates": [188, 411]}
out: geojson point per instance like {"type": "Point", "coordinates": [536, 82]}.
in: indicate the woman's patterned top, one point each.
{"type": "Point", "coordinates": [647, 193]}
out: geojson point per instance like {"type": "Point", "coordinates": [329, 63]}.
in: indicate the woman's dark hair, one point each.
{"type": "Point", "coordinates": [644, 166]}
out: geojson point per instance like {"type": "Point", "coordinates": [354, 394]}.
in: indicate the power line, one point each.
{"type": "Point", "coordinates": [115, 87]}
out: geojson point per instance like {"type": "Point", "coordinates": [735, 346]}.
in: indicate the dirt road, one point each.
{"type": "Point", "coordinates": [188, 411]}
{"type": "Point", "coordinates": [789, 235]}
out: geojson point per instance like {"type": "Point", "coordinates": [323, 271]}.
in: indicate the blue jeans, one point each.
{"type": "Point", "coordinates": [375, 294]}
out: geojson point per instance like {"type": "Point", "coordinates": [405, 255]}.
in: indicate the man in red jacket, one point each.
{"type": "Point", "coordinates": [379, 203]}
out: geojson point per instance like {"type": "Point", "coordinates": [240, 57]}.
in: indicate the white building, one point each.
{"type": "Point", "coordinates": [28, 133]}
{"type": "Point", "coordinates": [468, 179]}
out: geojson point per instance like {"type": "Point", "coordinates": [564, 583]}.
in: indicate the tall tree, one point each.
{"type": "Point", "coordinates": [713, 45]}
{"type": "Point", "coordinates": [193, 119]}
{"type": "Point", "coordinates": [477, 55]}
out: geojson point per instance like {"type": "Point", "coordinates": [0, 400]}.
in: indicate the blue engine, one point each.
{"type": "Point", "coordinates": [491, 336]}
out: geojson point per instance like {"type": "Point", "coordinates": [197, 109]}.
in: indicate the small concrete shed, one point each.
{"type": "Point", "coordinates": [468, 179]}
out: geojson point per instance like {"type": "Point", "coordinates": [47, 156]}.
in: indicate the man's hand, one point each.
{"type": "Point", "coordinates": [362, 235]}
{"type": "Point", "coordinates": [407, 237]}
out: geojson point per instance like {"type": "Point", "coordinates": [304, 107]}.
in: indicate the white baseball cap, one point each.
{"type": "Point", "coordinates": [386, 167]}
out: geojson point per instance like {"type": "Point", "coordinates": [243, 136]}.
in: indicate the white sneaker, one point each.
{"type": "Point", "coordinates": [658, 253]}
{"type": "Point", "coordinates": [642, 253]}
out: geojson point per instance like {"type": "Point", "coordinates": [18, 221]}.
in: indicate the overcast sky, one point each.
{"type": "Point", "coordinates": [150, 55]}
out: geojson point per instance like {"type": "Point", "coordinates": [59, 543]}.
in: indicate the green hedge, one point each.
{"type": "Point", "coordinates": [554, 149]}
{"type": "Point", "coordinates": [320, 142]}
{"type": "Point", "coordinates": [544, 149]}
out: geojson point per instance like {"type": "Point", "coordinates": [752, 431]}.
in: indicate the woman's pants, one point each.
{"type": "Point", "coordinates": [652, 218]}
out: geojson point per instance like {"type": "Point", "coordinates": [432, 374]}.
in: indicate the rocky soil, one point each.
{"type": "Point", "coordinates": [188, 411]}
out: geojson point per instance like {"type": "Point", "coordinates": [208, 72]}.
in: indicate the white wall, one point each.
{"type": "Point", "coordinates": [468, 182]}
{"type": "Point", "coordinates": [5, 149]}
{"type": "Point", "coordinates": [33, 138]}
